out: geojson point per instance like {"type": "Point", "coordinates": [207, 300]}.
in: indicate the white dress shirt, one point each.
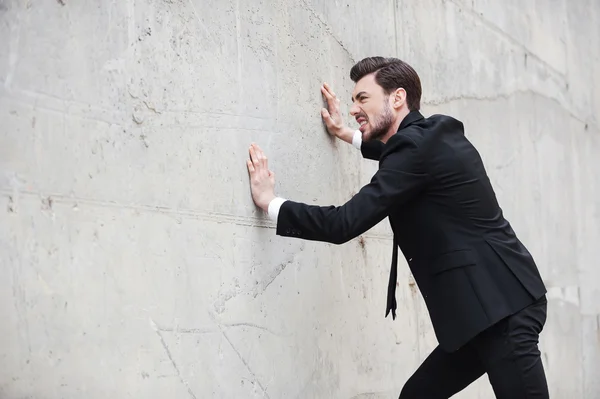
{"type": "Point", "coordinates": [276, 203]}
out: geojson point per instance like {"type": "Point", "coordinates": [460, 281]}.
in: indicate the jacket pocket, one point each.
{"type": "Point", "coordinates": [452, 260]}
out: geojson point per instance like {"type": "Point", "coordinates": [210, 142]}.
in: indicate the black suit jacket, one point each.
{"type": "Point", "coordinates": [470, 267]}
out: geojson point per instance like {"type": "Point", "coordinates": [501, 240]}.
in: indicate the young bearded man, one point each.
{"type": "Point", "coordinates": [482, 288]}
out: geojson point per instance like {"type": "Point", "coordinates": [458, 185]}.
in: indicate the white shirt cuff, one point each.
{"type": "Point", "coordinates": [357, 139]}
{"type": "Point", "coordinates": [274, 206]}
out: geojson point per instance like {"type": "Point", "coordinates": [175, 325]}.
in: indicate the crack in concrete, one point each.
{"type": "Point", "coordinates": [302, 392]}
{"type": "Point", "coordinates": [53, 104]}
{"type": "Point", "coordinates": [370, 395]}
{"type": "Point", "coordinates": [223, 298]}
{"type": "Point", "coordinates": [252, 325]}
{"type": "Point", "coordinates": [151, 108]}
{"type": "Point", "coordinates": [258, 222]}
{"type": "Point", "coordinates": [245, 364]}
{"type": "Point", "coordinates": [188, 330]}
{"type": "Point", "coordinates": [216, 329]}
{"type": "Point", "coordinates": [276, 273]}
{"type": "Point", "coordinates": [242, 359]}
{"type": "Point", "coordinates": [13, 55]}
{"type": "Point", "coordinates": [192, 214]}
{"type": "Point", "coordinates": [265, 284]}
{"type": "Point", "coordinates": [219, 305]}
{"type": "Point", "coordinates": [170, 356]}
{"type": "Point", "coordinates": [449, 99]}
{"type": "Point", "coordinates": [328, 29]}
{"type": "Point", "coordinates": [496, 29]}
{"type": "Point", "coordinates": [207, 32]}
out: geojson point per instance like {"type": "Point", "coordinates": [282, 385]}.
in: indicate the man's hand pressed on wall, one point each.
{"type": "Point", "coordinates": [262, 180]}
{"type": "Point", "coordinates": [333, 117]}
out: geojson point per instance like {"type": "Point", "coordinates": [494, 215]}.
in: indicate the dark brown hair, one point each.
{"type": "Point", "coordinates": [391, 74]}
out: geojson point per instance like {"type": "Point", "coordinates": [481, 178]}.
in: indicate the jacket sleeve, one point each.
{"type": "Point", "coordinates": [400, 177]}
{"type": "Point", "coordinates": [371, 149]}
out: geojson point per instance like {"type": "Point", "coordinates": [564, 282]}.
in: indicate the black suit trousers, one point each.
{"type": "Point", "coordinates": [508, 352]}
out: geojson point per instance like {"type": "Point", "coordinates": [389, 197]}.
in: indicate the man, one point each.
{"type": "Point", "coordinates": [483, 291]}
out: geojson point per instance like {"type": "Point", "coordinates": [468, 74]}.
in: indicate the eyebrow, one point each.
{"type": "Point", "coordinates": [359, 95]}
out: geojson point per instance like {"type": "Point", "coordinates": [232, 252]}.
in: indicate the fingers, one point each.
{"type": "Point", "coordinates": [328, 94]}
{"type": "Point", "coordinates": [333, 103]}
{"type": "Point", "coordinates": [333, 96]}
{"type": "Point", "coordinates": [259, 159]}
{"type": "Point", "coordinates": [254, 156]}
{"type": "Point", "coordinates": [328, 89]}
{"type": "Point", "coordinates": [262, 157]}
{"type": "Point", "coordinates": [326, 117]}
{"type": "Point", "coordinates": [250, 166]}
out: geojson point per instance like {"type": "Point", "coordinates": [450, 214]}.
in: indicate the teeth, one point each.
{"type": "Point", "coordinates": [363, 123]}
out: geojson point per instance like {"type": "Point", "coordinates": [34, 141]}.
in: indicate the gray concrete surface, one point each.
{"type": "Point", "coordinates": [134, 263]}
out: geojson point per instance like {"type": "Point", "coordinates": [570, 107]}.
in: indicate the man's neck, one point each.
{"type": "Point", "coordinates": [395, 126]}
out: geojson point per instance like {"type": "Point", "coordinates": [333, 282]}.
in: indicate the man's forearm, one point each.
{"type": "Point", "coordinates": [350, 136]}
{"type": "Point", "coordinates": [347, 134]}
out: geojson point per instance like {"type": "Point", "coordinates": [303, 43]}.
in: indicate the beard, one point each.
{"type": "Point", "coordinates": [382, 124]}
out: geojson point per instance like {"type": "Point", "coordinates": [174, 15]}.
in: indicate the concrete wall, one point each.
{"type": "Point", "coordinates": [134, 263]}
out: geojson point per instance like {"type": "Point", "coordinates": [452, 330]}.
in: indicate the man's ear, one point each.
{"type": "Point", "coordinates": [399, 98]}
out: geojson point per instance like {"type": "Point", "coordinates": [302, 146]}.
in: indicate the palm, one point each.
{"type": "Point", "coordinates": [262, 180]}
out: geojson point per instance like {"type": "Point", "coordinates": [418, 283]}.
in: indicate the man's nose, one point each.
{"type": "Point", "coordinates": [354, 110]}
